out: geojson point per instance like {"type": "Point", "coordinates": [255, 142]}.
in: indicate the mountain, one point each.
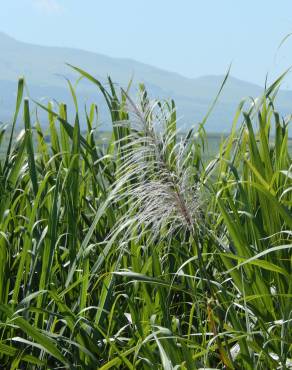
{"type": "Point", "coordinates": [45, 70]}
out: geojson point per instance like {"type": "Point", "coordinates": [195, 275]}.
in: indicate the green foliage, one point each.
{"type": "Point", "coordinates": [145, 253]}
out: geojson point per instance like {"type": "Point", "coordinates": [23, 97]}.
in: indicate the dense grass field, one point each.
{"type": "Point", "coordinates": [154, 251]}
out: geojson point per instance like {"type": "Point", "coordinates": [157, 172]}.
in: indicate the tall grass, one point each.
{"type": "Point", "coordinates": [143, 254]}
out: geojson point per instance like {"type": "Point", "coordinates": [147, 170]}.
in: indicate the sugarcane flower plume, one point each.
{"type": "Point", "coordinates": [156, 178]}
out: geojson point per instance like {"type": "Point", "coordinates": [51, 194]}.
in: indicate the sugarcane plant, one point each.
{"type": "Point", "coordinates": [144, 252]}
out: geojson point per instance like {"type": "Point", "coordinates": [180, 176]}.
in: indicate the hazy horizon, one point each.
{"type": "Point", "coordinates": [218, 75]}
{"type": "Point", "coordinates": [190, 38]}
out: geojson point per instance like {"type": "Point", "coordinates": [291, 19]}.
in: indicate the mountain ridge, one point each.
{"type": "Point", "coordinates": [44, 68]}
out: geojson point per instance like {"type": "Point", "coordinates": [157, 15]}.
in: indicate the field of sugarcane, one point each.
{"type": "Point", "coordinates": [145, 253]}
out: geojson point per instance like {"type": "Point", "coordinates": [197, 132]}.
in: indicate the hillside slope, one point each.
{"type": "Point", "coordinates": [45, 68]}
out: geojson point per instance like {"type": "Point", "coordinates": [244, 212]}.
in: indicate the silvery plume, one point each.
{"type": "Point", "coordinates": [156, 179]}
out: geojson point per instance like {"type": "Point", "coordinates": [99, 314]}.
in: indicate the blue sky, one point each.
{"type": "Point", "coordinates": [190, 37]}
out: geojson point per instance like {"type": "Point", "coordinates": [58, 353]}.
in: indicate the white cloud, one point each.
{"type": "Point", "coordinates": [48, 6]}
